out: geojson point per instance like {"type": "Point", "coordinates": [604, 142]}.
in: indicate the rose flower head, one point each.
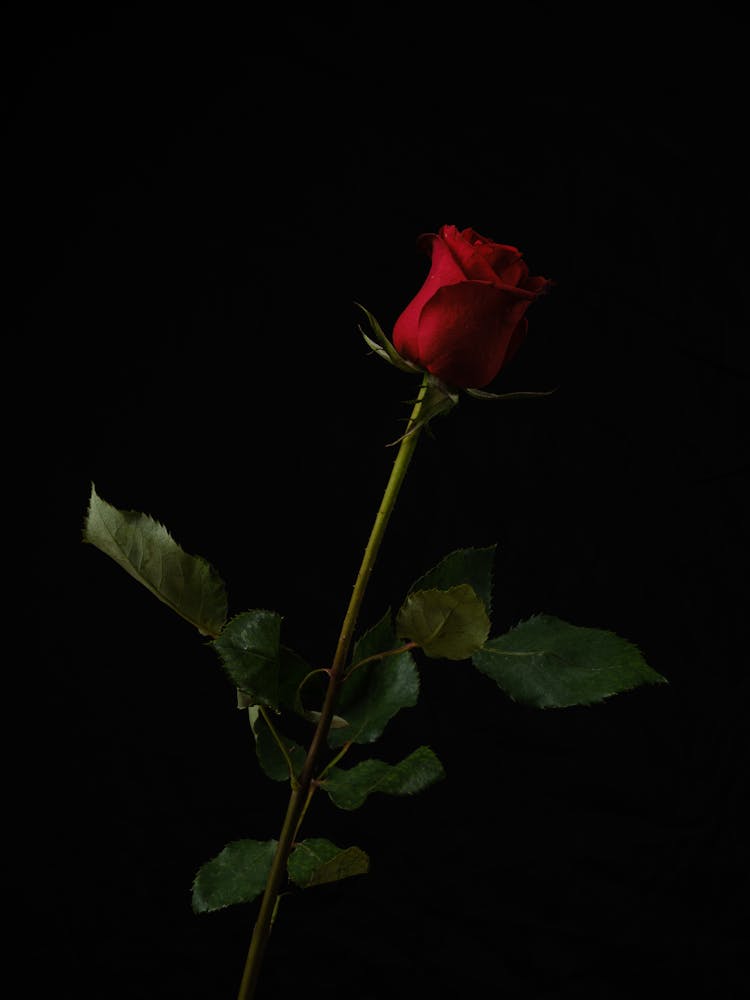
{"type": "Point", "coordinates": [468, 319]}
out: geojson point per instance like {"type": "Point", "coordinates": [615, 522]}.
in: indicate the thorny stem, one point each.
{"type": "Point", "coordinates": [301, 795]}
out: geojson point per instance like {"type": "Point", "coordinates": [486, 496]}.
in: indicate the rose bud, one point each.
{"type": "Point", "coordinates": [467, 321]}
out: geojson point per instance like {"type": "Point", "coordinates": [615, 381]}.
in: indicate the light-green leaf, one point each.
{"type": "Point", "coordinates": [248, 647]}
{"type": "Point", "coordinates": [316, 861]}
{"type": "Point", "coordinates": [144, 548]}
{"type": "Point", "coordinates": [448, 624]}
{"type": "Point", "coordinates": [271, 759]}
{"type": "Point", "coordinates": [547, 663]}
{"type": "Point", "coordinates": [377, 691]}
{"type": "Point", "coordinates": [349, 788]}
{"type": "Point", "coordinates": [472, 566]}
{"type": "Point", "coordinates": [237, 875]}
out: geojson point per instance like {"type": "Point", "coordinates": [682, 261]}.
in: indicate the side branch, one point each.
{"type": "Point", "coordinates": [380, 656]}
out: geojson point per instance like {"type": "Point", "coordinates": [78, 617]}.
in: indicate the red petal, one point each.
{"type": "Point", "coordinates": [443, 271]}
{"type": "Point", "coordinates": [470, 258]}
{"type": "Point", "coordinates": [465, 330]}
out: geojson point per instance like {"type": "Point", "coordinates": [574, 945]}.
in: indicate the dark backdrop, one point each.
{"type": "Point", "coordinates": [195, 202]}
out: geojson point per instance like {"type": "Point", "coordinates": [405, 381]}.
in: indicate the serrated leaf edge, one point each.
{"type": "Point", "coordinates": [232, 843]}
{"type": "Point", "coordinates": [133, 573]}
{"type": "Point", "coordinates": [655, 677]}
{"type": "Point", "coordinates": [376, 787]}
{"type": "Point", "coordinates": [454, 552]}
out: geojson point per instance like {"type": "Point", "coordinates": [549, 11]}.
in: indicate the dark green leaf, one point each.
{"type": "Point", "coordinates": [448, 624]}
{"type": "Point", "coordinates": [349, 788]}
{"type": "Point", "coordinates": [548, 663]}
{"type": "Point", "coordinates": [270, 757]}
{"type": "Point", "coordinates": [377, 691]}
{"type": "Point", "coordinates": [472, 566]}
{"type": "Point", "coordinates": [237, 875]}
{"type": "Point", "coordinates": [316, 861]}
{"type": "Point", "coordinates": [144, 548]}
{"type": "Point", "coordinates": [249, 650]}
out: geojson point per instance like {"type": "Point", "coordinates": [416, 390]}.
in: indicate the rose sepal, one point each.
{"type": "Point", "coordinates": [382, 345]}
{"type": "Point", "coordinates": [439, 398]}
{"type": "Point", "coordinates": [481, 394]}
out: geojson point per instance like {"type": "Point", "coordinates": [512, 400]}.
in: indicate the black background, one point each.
{"type": "Point", "coordinates": [196, 199]}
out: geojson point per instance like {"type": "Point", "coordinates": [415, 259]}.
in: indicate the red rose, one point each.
{"type": "Point", "coordinates": [467, 321]}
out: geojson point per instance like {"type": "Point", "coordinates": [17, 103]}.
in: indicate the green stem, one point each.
{"type": "Point", "coordinates": [300, 795]}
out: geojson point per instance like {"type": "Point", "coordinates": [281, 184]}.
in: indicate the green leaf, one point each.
{"type": "Point", "coordinates": [248, 647]}
{"type": "Point", "coordinates": [377, 691]}
{"type": "Point", "coordinates": [472, 566]}
{"type": "Point", "coordinates": [348, 788]}
{"type": "Point", "coordinates": [317, 861]}
{"type": "Point", "coordinates": [270, 757]}
{"type": "Point", "coordinates": [448, 624]}
{"type": "Point", "coordinates": [144, 548]}
{"type": "Point", "coordinates": [547, 663]}
{"type": "Point", "coordinates": [237, 875]}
